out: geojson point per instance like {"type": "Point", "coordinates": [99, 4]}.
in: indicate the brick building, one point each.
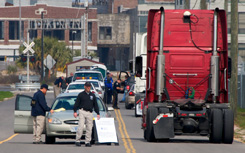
{"type": "Point", "coordinates": [64, 23]}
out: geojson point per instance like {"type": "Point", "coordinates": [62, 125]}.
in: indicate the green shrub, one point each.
{"type": "Point", "coordinates": [11, 69]}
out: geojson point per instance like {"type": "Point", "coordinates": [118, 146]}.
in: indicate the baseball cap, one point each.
{"type": "Point", "coordinates": [44, 86]}
{"type": "Point", "coordinates": [87, 84]}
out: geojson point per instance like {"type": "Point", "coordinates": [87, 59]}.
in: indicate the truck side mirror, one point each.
{"type": "Point", "coordinates": [229, 67]}
{"type": "Point", "coordinates": [138, 66]}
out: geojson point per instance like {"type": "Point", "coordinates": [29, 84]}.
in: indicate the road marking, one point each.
{"type": "Point", "coordinates": [9, 138]}
{"type": "Point", "coordinates": [125, 135]}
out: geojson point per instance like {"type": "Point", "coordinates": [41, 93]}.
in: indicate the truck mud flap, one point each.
{"type": "Point", "coordinates": [164, 128]}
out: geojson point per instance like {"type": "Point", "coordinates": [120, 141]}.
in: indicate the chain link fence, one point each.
{"type": "Point", "coordinates": [240, 86]}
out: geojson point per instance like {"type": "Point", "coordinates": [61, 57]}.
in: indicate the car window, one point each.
{"type": "Point", "coordinates": [64, 102]}
{"type": "Point", "coordinates": [23, 103]}
{"type": "Point", "coordinates": [96, 76]}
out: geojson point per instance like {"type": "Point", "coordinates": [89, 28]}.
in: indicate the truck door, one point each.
{"type": "Point", "coordinates": [22, 115]}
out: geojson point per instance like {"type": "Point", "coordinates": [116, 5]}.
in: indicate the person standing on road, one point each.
{"type": "Point", "coordinates": [108, 88]}
{"type": "Point", "coordinates": [116, 89]}
{"type": "Point", "coordinates": [85, 103]}
{"type": "Point", "coordinates": [38, 112]}
{"type": "Point", "coordinates": [125, 82]}
{"type": "Point", "coordinates": [58, 86]}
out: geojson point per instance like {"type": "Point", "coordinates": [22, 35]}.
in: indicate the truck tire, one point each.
{"type": "Point", "coordinates": [216, 126]}
{"type": "Point", "coordinates": [228, 131]}
{"type": "Point", "coordinates": [49, 140]}
{"type": "Point", "coordinates": [149, 133]}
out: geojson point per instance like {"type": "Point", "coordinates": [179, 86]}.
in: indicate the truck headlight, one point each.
{"type": "Point", "coordinates": [54, 121]}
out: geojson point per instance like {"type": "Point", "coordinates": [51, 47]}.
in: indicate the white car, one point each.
{"type": "Point", "coordinates": [78, 87]}
{"type": "Point", "coordinates": [89, 74]}
{"type": "Point", "coordinates": [96, 85]}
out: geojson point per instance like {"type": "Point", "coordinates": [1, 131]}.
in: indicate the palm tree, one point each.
{"type": "Point", "coordinates": [58, 50]}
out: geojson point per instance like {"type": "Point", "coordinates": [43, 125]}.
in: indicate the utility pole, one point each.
{"type": "Point", "coordinates": [234, 53]}
{"type": "Point", "coordinates": [226, 7]}
{"type": "Point", "coordinates": [42, 48]}
{"type": "Point", "coordinates": [187, 4]}
{"type": "Point", "coordinates": [203, 5]}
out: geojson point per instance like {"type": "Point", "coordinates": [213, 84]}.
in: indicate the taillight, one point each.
{"type": "Point", "coordinates": [127, 87]}
{"type": "Point", "coordinates": [99, 92]}
{"type": "Point", "coordinates": [93, 92]}
{"type": "Point", "coordinates": [131, 93]}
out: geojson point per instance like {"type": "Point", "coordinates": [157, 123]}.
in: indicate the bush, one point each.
{"type": "Point", "coordinates": [11, 69]}
{"type": "Point", "coordinates": [9, 79]}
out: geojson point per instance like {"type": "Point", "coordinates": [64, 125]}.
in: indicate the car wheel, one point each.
{"type": "Point", "coordinates": [216, 126]}
{"type": "Point", "coordinates": [49, 140]}
{"type": "Point", "coordinates": [127, 106]}
{"type": "Point", "coordinates": [150, 116]}
{"type": "Point", "coordinates": [228, 131]}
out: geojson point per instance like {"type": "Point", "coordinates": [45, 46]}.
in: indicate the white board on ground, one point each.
{"type": "Point", "coordinates": [106, 130]}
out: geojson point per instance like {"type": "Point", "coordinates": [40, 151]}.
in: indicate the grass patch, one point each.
{"type": "Point", "coordinates": [5, 94]}
{"type": "Point", "coordinates": [240, 118]}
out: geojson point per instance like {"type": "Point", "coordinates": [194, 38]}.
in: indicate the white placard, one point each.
{"type": "Point", "coordinates": [106, 130]}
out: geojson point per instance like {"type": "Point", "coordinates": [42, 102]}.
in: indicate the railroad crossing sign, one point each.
{"type": "Point", "coordinates": [28, 47]}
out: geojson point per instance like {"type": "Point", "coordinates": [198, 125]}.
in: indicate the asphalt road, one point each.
{"type": "Point", "coordinates": [129, 134]}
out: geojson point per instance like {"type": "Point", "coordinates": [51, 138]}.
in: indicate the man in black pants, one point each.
{"type": "Point", "coordinates": [85, 103]}
{"type": "Point", "coordinates": [116, 89]}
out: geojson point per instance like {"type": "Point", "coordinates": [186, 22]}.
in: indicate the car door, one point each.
{"type": "Point", "coordinates": [22, 115]}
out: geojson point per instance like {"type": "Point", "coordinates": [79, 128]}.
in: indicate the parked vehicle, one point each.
{"type": "Point", "coordinates": [61, 124]}
{"type": "Point", "coordinates": [187, 76]}
{"type": "Point", "coordinates": [96, 85]}
{"type": "Point", "coordinates": [130, 98]}
{"type": "Point", "coordinates": [89, 74]}
{"type": "Point", "coordinates": [78, 87]}
{"type": "Point", "coordinates": [140, 80]}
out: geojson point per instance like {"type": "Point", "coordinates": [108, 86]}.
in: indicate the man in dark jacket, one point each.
{"type": "Point", "coordinates": [85, 103]}
{"type": "Point", "coordinates": [38, 111]}
{"type": "Point", "coordinates": [116, 89]}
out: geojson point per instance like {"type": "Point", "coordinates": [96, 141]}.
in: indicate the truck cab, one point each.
{"type": "Point", "coordinates": [187, 76]}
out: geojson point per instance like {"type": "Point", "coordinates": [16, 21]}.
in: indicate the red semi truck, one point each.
{"type": "Point", "coordinates": [187, 76]}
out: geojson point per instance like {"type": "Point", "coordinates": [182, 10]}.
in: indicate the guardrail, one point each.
{"type": "Point", "coordinates": [27, 86]}
{"type": "Point", "coordinates": [32, 78]}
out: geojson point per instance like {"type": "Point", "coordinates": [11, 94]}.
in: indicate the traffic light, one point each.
{"type": "Point", "coordinates": [23, 58]}
{"type": "Point", "coordinates": [32, 59]}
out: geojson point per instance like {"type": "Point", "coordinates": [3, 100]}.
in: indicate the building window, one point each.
{"type": "Point", "coordinates": [89, 31]}
{"type": "Point", "coordinates": [14, 30]}
{"type": "Point", "coordinates": [32, 34]}
{"type": "Point", "coordinates": [59, 34]}
{"type": "Point", "coordinates": [75, 35]}
{"type": "Point", "coordinates": [105, 33]}
{"type": "Point", "coordinates": [241, 20]}
{"type": "Point", "coordinates": [1, 29]}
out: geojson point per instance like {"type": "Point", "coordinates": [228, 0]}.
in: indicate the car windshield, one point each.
{"type": "Point", "coordinates": [96, 84]}
{"type": "Point", "coordinates": [96, 76]}
{"type": "Point", "coordinates": [77, 87]}
{"type": "Point", "coordinates": [67, 103]}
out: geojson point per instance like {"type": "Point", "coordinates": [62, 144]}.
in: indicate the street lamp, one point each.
{"type": "Point", "coordinates": [42, 48]}
{"type": "Point", "coordinates": [73, 33]}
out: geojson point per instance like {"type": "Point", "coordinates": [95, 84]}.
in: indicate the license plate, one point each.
{"type": "Point", "coordinates": [74, 128]}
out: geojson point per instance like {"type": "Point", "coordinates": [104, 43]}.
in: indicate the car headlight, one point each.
{"type": "Point", "coordinates": [54, 121]}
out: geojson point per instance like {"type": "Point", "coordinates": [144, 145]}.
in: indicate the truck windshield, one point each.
{"type": "Point", "coordinates": [96, 76]}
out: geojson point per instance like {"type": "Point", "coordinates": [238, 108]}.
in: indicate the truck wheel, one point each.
{"type": "Point", "coordinates": [151, 114]}
{"type": "Point", "coordinates": [216, 126]}
{"type": "Point", "coordinates": [49, 140]}
{"type": "Point", "coordinates": [228, 132]}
